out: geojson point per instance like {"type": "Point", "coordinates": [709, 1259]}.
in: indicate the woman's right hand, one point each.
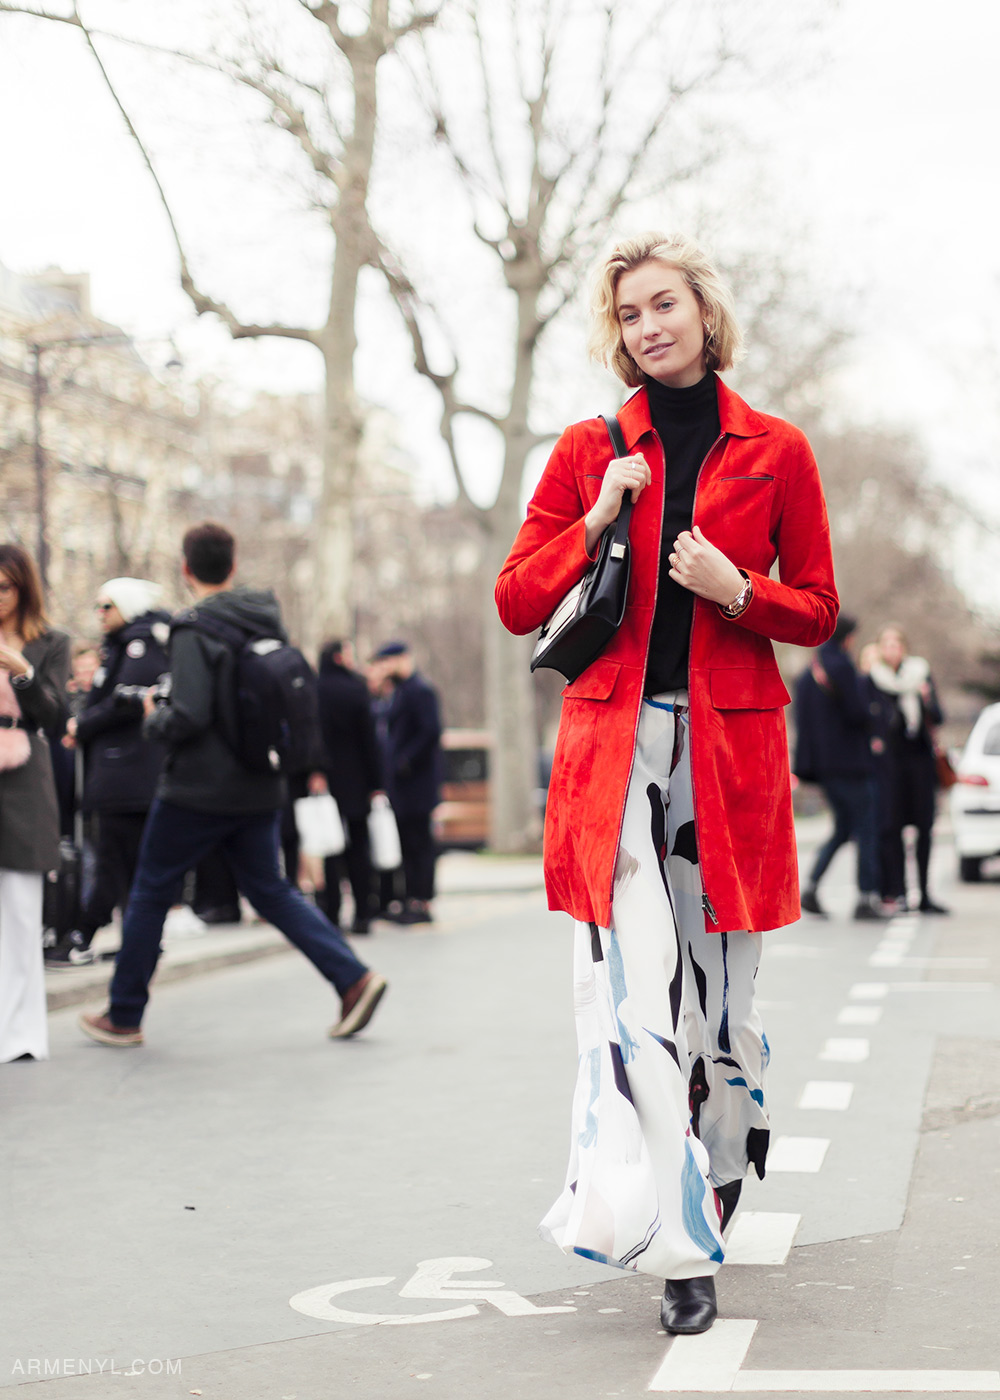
{"type": "Point", "coordinates": [623, 474]}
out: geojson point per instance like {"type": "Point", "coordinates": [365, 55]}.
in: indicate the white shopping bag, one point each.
{"type": "Point", "coordinates": [321, 832]}
{"type": "Point", "coordinates": [383, 835]}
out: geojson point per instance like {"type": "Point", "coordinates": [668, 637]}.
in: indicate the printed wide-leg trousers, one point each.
{"type": "Point", "coordinates": [669, 1100]}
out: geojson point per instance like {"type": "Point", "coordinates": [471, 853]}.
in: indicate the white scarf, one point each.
{"type": "Point", "coordinates": [905, 685]}
{"type": "Point", "coordinates": [15, 746]}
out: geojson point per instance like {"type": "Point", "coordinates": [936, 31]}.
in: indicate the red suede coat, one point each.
{"type": "Point", "coordinates": [758, 499]}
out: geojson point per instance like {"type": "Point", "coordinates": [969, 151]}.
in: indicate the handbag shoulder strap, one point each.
{"type": "Point", "coordinates": [620, 449]}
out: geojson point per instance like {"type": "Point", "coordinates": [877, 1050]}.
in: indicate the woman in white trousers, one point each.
{"type": "Point", "coordinates": [34, 666]}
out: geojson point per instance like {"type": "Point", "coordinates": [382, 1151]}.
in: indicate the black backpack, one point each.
{"type": "Point", "coordinates": [275, 698]}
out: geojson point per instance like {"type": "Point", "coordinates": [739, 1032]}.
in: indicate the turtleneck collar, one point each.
{"type": "Point", "coordinates": [688, 405]}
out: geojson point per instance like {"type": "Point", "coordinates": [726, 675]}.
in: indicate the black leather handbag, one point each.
{"type": "Point", "coordinates": [592, 611]}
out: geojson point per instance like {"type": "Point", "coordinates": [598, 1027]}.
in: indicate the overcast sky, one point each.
{"type": "Point", "coordinates": [887, 160]}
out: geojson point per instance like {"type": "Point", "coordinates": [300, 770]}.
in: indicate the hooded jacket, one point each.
{"type": "Point", "coordinates": [121, 767]}
{"type": "Point", "coordinates": [759, 500]}
{"type": "Point", "coordinates": [201, 770]}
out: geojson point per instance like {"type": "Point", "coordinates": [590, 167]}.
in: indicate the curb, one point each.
{"type": "Point", "coordinates": [92, 988]}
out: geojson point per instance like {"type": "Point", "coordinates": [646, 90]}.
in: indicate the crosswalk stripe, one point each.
{"type": "Point", "coordinates": [797, 1154]}
{"type": "Point", "coordinates": [711, 1364]}
{"type": "Point", "coordinates": [761, 1237]}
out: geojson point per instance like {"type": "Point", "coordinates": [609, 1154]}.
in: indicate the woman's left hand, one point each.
{"type": "Point", "coordinates": [11, 660]}
{"type": "Point", "coordinates": [697, 565]}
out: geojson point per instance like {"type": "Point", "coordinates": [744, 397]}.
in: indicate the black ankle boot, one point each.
{"type": "Point", "coordinates": [688, 1305]}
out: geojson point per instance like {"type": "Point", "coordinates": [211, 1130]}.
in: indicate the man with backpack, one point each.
{"type": "Point", "coordinates": [239, 702]}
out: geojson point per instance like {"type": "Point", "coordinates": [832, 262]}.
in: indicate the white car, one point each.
{"type": "Point", "coordinates": [975, 798]}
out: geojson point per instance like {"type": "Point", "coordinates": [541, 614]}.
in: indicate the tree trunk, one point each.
{"type": "Point", "coordinates": [334, 545]}
{"type": "Point", "coordinates": [510, 713]}
{"type": "Point", "coordinates": [510, 701]}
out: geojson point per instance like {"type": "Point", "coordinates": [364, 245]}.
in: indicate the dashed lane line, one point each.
{"type": "Point", "coordinates": [853, 1015]}
{"type": "Point", "coordinates": [797, 1154]}
{"type": "Point", "coordinates": [828, 1094]}
{"type": "Point", "coordinates": [845, 1050]}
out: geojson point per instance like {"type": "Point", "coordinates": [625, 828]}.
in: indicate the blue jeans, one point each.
{"type": "Point", "coordinates": [175, 840]}
{"type": "Point", "coordinates": [854, 803]}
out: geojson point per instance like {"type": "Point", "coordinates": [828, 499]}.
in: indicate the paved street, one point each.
{"type": "Point", "coordinates": [164, 1206]}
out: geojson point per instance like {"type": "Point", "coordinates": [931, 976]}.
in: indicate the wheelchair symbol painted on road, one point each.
{"type": "Point", "coordinates": [434, 1280]}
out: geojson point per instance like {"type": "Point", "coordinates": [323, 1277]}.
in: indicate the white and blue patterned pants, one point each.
{"type": "Point", "coordinates": [669, 1099]}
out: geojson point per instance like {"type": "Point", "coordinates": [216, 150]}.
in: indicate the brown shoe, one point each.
{"type": "Point", "coordinates": [102, 1028]}
{"type": "Point", "coordinates": [358, 1005]}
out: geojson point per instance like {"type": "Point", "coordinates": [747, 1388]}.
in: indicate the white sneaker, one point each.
{"type": "Point", "coordinates": [183, 922]}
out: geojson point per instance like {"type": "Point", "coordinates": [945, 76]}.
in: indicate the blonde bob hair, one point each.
{"type": "Point", "coordinates": [723, 337]}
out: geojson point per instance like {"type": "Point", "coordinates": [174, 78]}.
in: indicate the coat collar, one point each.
{"type": "Point", "coordinates": [736, 418]}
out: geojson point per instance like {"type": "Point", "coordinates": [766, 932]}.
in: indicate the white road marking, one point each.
{"type": "Point", "coordinates": [943, 986]}
{"type": "Point", "coordinates": [892, 949]}
{"type": "Point", "coordinates": [826, 1093]}
{"type": "Point", "coordinates": [869, 991]}
{"type": "Point", "coordinates": [859, 1016]}
{"type": "Point", "coordinates": [939, 1382]}
{"type": "Point", "coordinates": [712, 1364]}
{"type": "Point", "coordinates": [761, 1237]}
{"type": "Point", "coordinates": [843, 1051]}
{"type": "Point", "coordinates": [709, 1362]}
{"type": "Point", "coordinates": [433, 1279]}
{"type": "Point", "coordinates": [797, 1154]}
{"type": "Point", "coordinates": [968, 963]}
{"type": "Point", "coordinates": [893, 957]}
{"type": "Point", "coordinates": [889, 954]}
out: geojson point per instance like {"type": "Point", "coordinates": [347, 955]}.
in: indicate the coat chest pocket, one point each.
{"type": "Point", "coordinates": [738, 514]}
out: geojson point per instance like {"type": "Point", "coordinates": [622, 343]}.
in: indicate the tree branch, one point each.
{"type": "Point", "coordinates": [489, 106]}
{"type": "Point", "coordinates": [296, 124]}
{"type": "Point", "coordinates": [202, 303]}
{"type": "Point", "coordinates": [415, 25]}
{"type": "Point", "coordinates": [405, 297]}
{"type": "Point", "coordinates": [329, 12]}
{"type": "Point", "coordinates": [73, 19]}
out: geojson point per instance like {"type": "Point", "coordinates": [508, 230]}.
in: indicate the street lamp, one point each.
{"type": "Point", "coordinates": [36, 349]}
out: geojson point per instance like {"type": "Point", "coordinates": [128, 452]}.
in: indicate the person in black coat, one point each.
{"type": "Point", "coordinates": [353, 769]}
{"type": "Point", "coordinates": [412, 748]}
{"type": "Point", "coordinates": [34, 667]}
{"type": "Point", "coordinates": [121, 768]}
{"type": "Point", "coordinates": [833, 748]}
{"type": "Point", "coordinates": [904, 701]}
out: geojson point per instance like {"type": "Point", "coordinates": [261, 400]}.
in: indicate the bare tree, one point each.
{"type": "Point", "coordinates": [569, 114]}
{"type": "Point", "coordinates": [331, 122]}
{"type": "Point", "coordinates": [889, 521]}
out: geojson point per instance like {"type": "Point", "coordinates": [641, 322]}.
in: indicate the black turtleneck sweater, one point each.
{"type": "Point", "coordinates": [687, 423]}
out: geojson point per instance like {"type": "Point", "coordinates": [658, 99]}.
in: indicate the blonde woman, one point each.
{"type": "Point", "coordinates": [34, 668]}
{"type": "Point", "coordinates": [908, 714]}
{"type": "Point", "coordinates": [669, 833]}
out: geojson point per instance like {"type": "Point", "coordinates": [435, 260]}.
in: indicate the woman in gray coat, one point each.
{"type": "Point", "coordinates": [34, 667]}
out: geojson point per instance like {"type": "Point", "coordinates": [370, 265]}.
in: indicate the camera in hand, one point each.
{"type": "Point", "coordinates": [134, 696]}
